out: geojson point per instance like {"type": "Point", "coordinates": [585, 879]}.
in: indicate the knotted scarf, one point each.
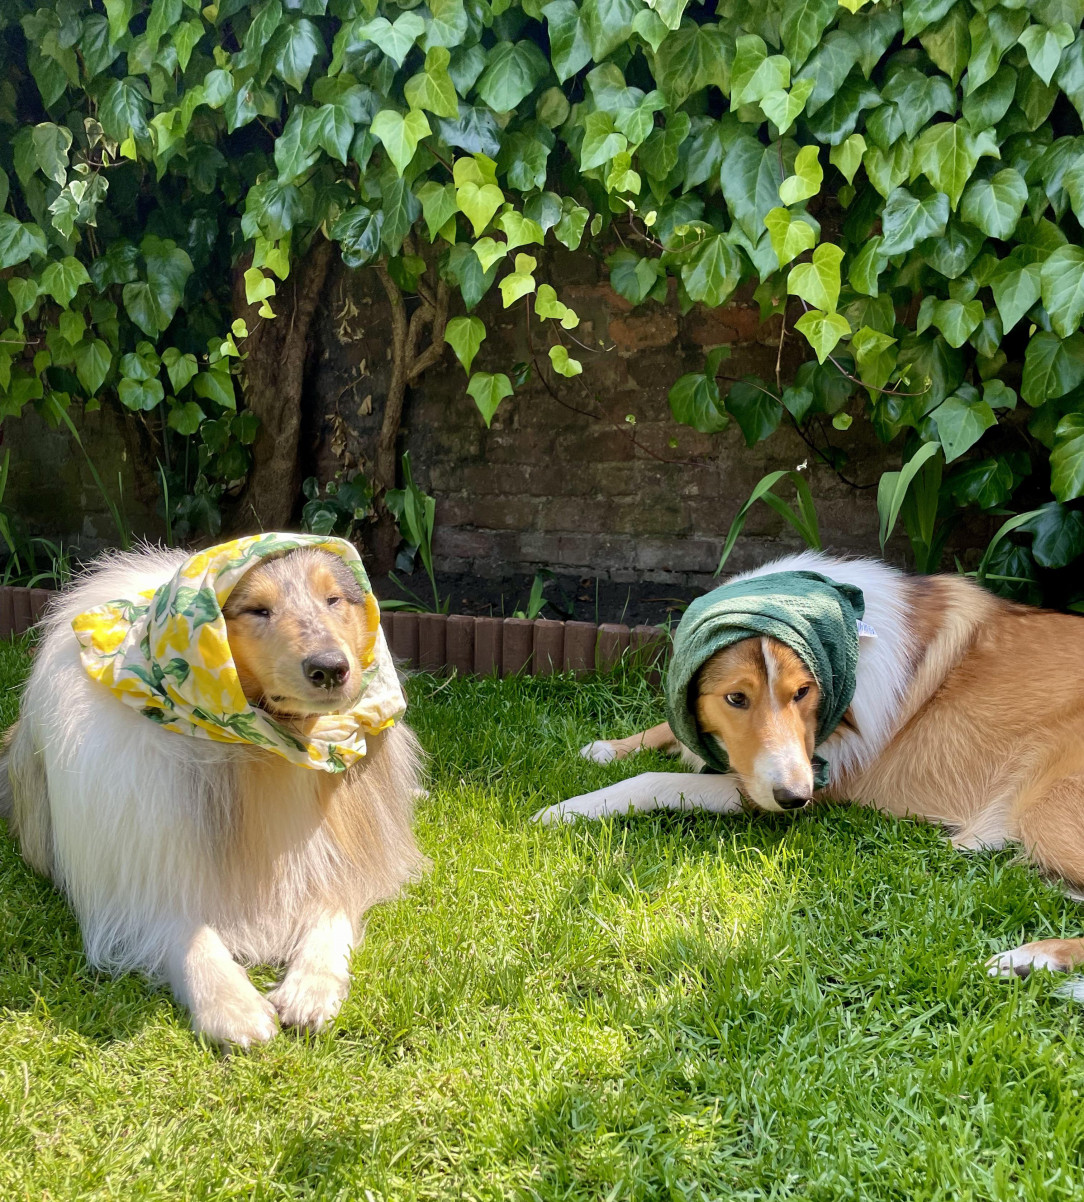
{"type": "Point", "coordinates": [166, 654]}
{"type": "Point", "coordinates": [813, 615]}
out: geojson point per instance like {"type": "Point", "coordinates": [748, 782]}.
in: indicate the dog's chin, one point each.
{"type": "Point", "coordinates": [312, 705]}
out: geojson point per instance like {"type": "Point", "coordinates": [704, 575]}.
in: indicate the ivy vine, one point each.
{"type": "Point", "coordinates": [900, 181]}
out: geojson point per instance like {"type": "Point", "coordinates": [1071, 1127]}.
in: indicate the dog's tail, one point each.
{"type": "Point", "coordinates": [24, 798]}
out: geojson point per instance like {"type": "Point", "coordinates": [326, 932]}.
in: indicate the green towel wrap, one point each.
{"type": "Point", "coordinates": [814, 616]}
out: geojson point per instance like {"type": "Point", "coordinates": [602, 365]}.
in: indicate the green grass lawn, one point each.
{"type": "Point", "coordinates": [671, 1007]}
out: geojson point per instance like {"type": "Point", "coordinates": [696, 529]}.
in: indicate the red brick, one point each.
{"type": "Point", "coordinates": [639, 331]}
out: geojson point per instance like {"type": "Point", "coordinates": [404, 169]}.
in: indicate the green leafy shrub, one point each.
{"type": "Point", "coordinates": [902, 182]}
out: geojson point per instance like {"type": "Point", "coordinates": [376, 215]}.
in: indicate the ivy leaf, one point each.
{"type": "Point", "coordinates": [947, 154]}
{"type": "Point", "coordinates": [750, 181]}
{"type": "Point", "coordinates": [609, 24]}
{"type": "Point", "coordinates": [546, 305]}
{"type": "Point", "coordinates": [569, 230]}
{"type": "Point", "coordinates": [1062, 279]}
{"type": "Point", "coordinates": [570, 46]}
{"type": "Point", "coordinates": [395, 40]}
{"type": "Point", "coordinates": [948, 41]}
{"type": "Point", "coordinates": [955, 319]}
{"type": "Point", "coordinates": [295, 147]}
{"type": "Point", "coordinates": [465, 335]}
{"type": "Point", "coordinates": [694, 401]}
{"type": "Point", "coordinates": [519, 230]}
{"type": "Point", "coordinates": [828, 67]}
{"type": "Point", "coordinates": [790, 235]}
{"type": "Point", "coordinates": [186, 418]}
{"type": "Point", "coordinates": [563, 364]}
{"type": "Point", "coordinates": [1058, 534]}
{"type": "Point", "coordinates": [755, 74]}
{"type": "Point", "coordinates": [140, 394]}
{"type": "Point", "coordinates": [1052, 367]}
{"type": "Point", "coordinates": [822, 331]}
{"type": "Point", "coordinates": [400, 134]}
{"type": "Point", "coordinates": [488, 390]}
{"type": "Point", "coordinates": [123, 109]}
{"type": "Point", "coordinates": [93, 359]}
{"type": "Point", "coordinates": [216, 385]}
{"type": "Point", "coordinates": [359, 232]}
{"type": "Point", "coordinates": [756, 411]}
{"type": "Point", "coordinates": [62, 278]}
{"type": "Point", "coordinates": [180, 367]}
{"type": "Point", "coordinates": [806, 180]}
{"type": "Point", "coordinates": [906, 220]}
{"type": "Point", "coordinates": [818, 282]}
{"type": "Point", "coordinates": [18, 241]}
{"type": "Point", "coordinates": [151, 303]}
{"type": "Point", "coordinates": [432, 88]}
{"type": "Point", "coordinates": [847, 157]}
{"type": "Point", "coordinates": [1044, 44]}
{"type": "Point", "coordinates": [490, 251]}
{"type": "Point", "coordinates": [1067, 458]}
{"type": "Point", "coordinates": [691, 58]}
{"type": "Point", "coordinates": [298, 52]}
{"type": "Point", "coordinates": [713, 273]}
{"type": "Point", "coordinates": [447, 25]}
{"type": "Point", "coordinates": [994, 205]}
{"type": "Point", "coordinates": [1016, 287]}
{"type": "Point", "coordinates": [333, 129]}
{"type": "Point", "coordinates": [802, 24]}
{"type": "Point", "coordinates": [633, 276]}
{"type": "Point", "coordinates": [961, 423]}
{"type": "Point", "coordinates": [513, 70]}
{"type": "Point", "coordinates": [463, 269]}
{"type": "Point", "coordinates": [438, 206]}
{"type": "Point", "coordinates": [51, 144]}
{"type": "Point", "coordinates": [478, 203]}
{"type": "Point", "coordinates": [992, 33]}
{"type": "Point", "coordinates": [601, 141]}
{"type": "Point", "coordinates": [520, 281]}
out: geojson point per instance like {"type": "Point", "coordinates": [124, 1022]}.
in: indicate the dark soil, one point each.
{"type": "Point", "coordinates": [583, 599]}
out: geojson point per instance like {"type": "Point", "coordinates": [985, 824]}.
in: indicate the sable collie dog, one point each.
{"type": "Point", "coordinates": [182, 856]}
{"type": "Point", "coordinates": [968, 711]}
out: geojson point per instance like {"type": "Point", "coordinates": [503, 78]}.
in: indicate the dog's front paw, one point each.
{"type": "Point", "coordinates": [311, 999]}
{"type": "Point", "coordinates": [599, 751]}
{"type": "Point", "coordinates": [1054, 955]}
{"type": "Point", "coordinates": [241, 1017]}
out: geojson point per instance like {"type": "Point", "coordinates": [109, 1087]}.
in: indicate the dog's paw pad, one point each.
{"type": "Point", "coordinates": [309, 1000]}
{"type": "Point", "coordinates": [599, 751]}
{"type": "Point", "coordinates": [1020, 961]}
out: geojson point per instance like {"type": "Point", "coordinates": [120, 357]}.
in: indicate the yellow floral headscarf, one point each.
{"type": "Point", "coordinates": [166, 654]}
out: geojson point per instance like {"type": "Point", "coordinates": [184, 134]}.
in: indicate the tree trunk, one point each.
{"type": "Point", "coordinates": [274, 377]}
{"type": "Point", "coordinates": [407, 364]}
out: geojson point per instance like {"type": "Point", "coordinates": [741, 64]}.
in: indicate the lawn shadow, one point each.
{"type": "Point", "coordinates": [44, 970]}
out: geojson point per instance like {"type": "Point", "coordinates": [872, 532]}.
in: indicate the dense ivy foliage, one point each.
{"type": "Point", "coordinates": [903, 181]}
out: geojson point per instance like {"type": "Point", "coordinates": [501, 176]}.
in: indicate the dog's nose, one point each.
{"type": "Point", "coordinates": [326, 669]}
{"type": "Point", "coordinates": [788, 799]}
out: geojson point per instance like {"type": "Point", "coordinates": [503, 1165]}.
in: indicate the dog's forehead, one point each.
{"type": "Point", "coordinates": [299, 574]}
{"type": "Point", "coordinates": [750, 657]}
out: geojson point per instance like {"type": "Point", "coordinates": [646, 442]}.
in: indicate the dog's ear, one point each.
{"type": "Point", "coordinates": [847, 722]}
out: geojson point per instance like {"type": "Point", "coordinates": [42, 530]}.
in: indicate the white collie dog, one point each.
{"type": "Point", "coordinates": [181, 854]}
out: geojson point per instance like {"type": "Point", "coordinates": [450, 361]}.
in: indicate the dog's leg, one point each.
{"type": "Point", "coordinates": [224, 1004]}
{"type": "Point", "coordinates": [318, 979]}
{"type": "Point", "coordinates": [658, 738]}
{"type": "Point", "coordinates": [650, 791]}
{"type": "Point", "coordinates": [1052, 832]}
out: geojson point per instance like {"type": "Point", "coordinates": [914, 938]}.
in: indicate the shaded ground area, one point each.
{"type": "Point", "coordinates": [675, 1006]}
{"type": "Point", "coordinates": [582, 599]}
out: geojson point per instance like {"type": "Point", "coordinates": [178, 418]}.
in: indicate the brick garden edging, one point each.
{"type": "Point", "coordinates": [442, 642]}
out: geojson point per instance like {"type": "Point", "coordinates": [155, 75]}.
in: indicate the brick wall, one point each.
{"type": "Point", "coordinates": [565, 481]}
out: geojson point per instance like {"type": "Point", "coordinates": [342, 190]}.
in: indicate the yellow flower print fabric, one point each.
{"type": "Point", "coordinates": [166, 654]}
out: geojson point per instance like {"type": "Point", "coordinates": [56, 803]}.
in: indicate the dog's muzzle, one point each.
{"type": "Point", "coordinates": [788, 800]}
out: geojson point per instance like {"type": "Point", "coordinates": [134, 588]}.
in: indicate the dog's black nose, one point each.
{"type": "Point", "coordinates": [789, 800]}
{"type": "Point", "coordinates": [326, 669]}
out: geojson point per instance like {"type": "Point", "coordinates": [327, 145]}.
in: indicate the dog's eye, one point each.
{"type": "Point", "coordinates": [258, 613]}
{"type": "Point", "coordinates": [738, 700]}
{"type": "Point", "coordinates": [334, 600]}
{"type": "Point", "coordinates": [801, 692]}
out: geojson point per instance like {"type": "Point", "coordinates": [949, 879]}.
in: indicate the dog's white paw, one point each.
{"type": "Point", "coordinates": [1019, 961]}
{"type": "Point", "coordinates": [599, 751]}
{"type": "Point", "coordinates": [240, 1017]}
{"type": "Point", "coordinates": [309, 999]}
